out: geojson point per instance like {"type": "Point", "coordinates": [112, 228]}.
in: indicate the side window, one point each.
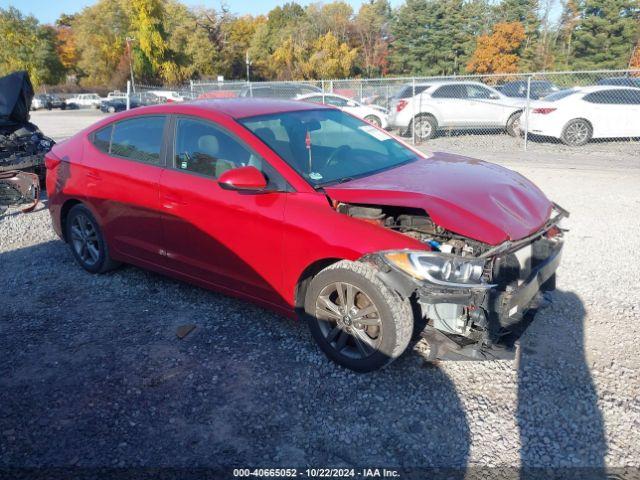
{"type": "Point", "coordinates": [102, 138]}
{"type": "Point", "coordinates": [611, 97]}
{"type": "Point", "coordinates": [633, 97]}
{"type": "Point", "coordinates": [138, 139]}
{"type": "Point", "coordinates": [335, 101]}
{"type": "Point", "coordinates": [450, 91]}
{"type": "Point", "coordinates": [202, 148]}
{"type": "Point", "coordinates": [475, 91]}
{"type": "Point", "coordinates": [314, 99]}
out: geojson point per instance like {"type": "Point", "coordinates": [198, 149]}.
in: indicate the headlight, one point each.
{"type": "Point", "coordinates": [440, 268]}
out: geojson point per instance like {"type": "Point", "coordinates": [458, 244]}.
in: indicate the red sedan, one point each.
{"type": "Point", "coordinates": [312, 212]}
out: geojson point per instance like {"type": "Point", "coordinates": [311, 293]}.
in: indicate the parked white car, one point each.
{"type": "Point", "coordinates": [85, 100]}
{"type": "Point", "coordinates": [376, 116]}
{"type": "Point", "coordinates": [168, 95]}
{"type": "Point", "coordinates": [577, 115]}
{"type": "Point", "coordinates": [455, 105]}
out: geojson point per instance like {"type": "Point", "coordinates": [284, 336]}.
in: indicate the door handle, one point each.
{"type": "Point", "coordinates": [93, 175]}
{"type": "Point", "coordinates": [170, 201]}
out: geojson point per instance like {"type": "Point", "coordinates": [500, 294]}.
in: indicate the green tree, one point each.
{"type": "Point", "coordinates": [100, 32]}
{"type": "Point", "coordinates": [432, 37]}
{"type": "Point", "coordinates": [29, 46]}
{"type": "Point", "coordinates": [606, 34]}
{"type": "Point", "coordinates": [329, 58]}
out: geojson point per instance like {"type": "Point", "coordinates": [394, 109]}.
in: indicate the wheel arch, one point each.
{"type": "Point", "coordinates": [305, 278]}
{"type": "Point", "coordinates": [64, 212]}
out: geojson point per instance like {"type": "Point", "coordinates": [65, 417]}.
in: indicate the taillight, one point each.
{"type": "Point", "coordinates": [543, 111]}
{"type": "Point", "coordinates": [401, 104]}
{"type": "Point", "coordinates": [51, 161]}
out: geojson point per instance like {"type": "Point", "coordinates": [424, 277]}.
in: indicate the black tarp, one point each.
{"type": "Point", "coordinates": [16, 93]}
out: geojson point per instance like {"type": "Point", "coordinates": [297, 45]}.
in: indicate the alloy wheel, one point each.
{"type": "Point", "coordinates": [84, 238]}
{"type": "Point", "coordinates": [577, 133]}
{"type": "Point", "coordinates": [423, 128]}
{"type": "Point", "coordinates": [349, 320]}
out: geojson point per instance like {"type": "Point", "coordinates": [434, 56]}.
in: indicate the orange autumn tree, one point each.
{"type": "Point", "coordinates": [498, 52]}
{"type": "Point", "coordinates": [634, 63]}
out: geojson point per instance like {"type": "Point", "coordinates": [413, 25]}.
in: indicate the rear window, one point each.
{"type": "Point", "coordinates": [102, 138]}
{"type": "Point", "coordinates": [407, 91]}
{"type": "Point", "coordinates": [138, 139]}
{"type": "Point", "coordinates": [559, 95]}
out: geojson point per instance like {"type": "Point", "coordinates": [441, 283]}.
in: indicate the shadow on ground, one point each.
{"type": "Point", "coordinates": [93, 375]}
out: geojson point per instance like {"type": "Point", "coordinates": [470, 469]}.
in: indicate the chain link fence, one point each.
{"type": "Point", "coordinates": [593, 110]}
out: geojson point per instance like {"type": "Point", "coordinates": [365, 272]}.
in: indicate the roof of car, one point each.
{"type": "Point", "coordinates": [251, 107]}
{"type": "Point", "coordinates": [598, 88]}
{"type": "Point", "coordinates": [446, 82]}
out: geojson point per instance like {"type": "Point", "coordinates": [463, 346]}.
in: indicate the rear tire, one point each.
{"type": "Point", "coordinates": [87, 242]}
{"type": "Point", "coordinates": [425, 127]}
{"type": "Point", "coordinates": [576, 132]}
{"type": "Point", "coordinates": [355, 319]}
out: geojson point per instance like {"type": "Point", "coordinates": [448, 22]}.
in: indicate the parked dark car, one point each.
{"type": "Point", "coordinates": [57, 102]}
{"type": "Point", "coordinates": [310, 211]}
{"type": "Point", "coordinates": [621, 81]}
{"type": "Point", "coordinates": [518, 89]}
{"type": "Point", "coordinates": [119, 104]}
{"type": "Point", "coordinates": [284, 90]}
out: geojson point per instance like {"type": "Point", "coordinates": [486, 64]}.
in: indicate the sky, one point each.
{"type": "Point", "coordinates": [47, 11]}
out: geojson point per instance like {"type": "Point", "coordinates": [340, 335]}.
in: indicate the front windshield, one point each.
{"type": "Point", "coordinates": [328, 146]}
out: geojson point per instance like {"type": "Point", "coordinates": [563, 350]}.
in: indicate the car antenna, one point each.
{"type": "Point", "coordinates": [307, 142]}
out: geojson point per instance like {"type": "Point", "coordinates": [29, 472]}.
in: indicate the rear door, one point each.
{"type": "Point", "coordinates": [122, 167]}
{"type": "Point", "coordinates": [230, 239]}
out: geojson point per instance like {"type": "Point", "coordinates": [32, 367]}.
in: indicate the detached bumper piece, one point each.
{"type": "Point", "coordinates": [19, 188]}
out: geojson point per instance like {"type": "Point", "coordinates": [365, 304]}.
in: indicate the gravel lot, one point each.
{"type": "Point", "coordinates": [93, 374]}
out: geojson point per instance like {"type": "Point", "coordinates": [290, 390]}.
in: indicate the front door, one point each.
{"type": "Point", "coordinates": [230, 239]}
{"type": "Point", "coordinates": [452, 105]}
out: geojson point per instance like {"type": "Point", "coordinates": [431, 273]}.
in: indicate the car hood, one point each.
{"type": "Point", "coordinates": [470, 197]}
{"type": "Point", "coordinates": [16, 95]}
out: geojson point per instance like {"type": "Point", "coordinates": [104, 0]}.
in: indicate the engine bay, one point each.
{"type": "Point", "coordinates": [415, 223]}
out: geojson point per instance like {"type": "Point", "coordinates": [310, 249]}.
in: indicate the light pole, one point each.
{"type": "Point", "coordinates": [248, 62]}
{"type": "Point", "coordinates": [129, 40]}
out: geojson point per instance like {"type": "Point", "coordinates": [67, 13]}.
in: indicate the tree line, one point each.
{"type": "Point", "coordinates": [164, 41]}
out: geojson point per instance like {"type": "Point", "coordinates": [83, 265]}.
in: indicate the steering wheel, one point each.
{"type": "Point", "coordinates": [335, 155]}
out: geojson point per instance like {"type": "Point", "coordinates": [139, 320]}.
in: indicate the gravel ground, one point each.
{"type": "Point", "coordinates": [93, 374]}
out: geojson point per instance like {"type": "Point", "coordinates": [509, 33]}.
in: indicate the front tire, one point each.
{"type": "Point", "coordinates": [514, 124]}
{"type": "Point", "coordinates": [425, 127]}
{"type": "Point", "coordinates": [356, 320]}
{"type": "Point", "coordinates": [577, 132]}
{"type": "Point", "coordinates": [87, 242]}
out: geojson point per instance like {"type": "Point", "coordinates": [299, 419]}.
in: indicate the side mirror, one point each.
{"type": "Point", "coordinates": [494, 96]}
{"type": "Point", "coordinates": [243, 179]}
{"type": "Point", "coordinates": [351, 103]}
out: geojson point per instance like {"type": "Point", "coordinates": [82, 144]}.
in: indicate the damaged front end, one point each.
{"type": "Point", "coordinates": [22, 144]}
{"type": "Point", "coordinates": [19, 188]}
{"type": "Point", "coordinates": [474, 298]}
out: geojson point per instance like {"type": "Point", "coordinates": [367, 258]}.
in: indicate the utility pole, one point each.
{"type": "Point", "coordinates": [129, 40]}
{"type": "Point", "coordinates": [248, 62]}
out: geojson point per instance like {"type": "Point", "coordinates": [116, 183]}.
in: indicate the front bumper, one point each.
{"type": "Point", "coordinates": [499, 314]}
